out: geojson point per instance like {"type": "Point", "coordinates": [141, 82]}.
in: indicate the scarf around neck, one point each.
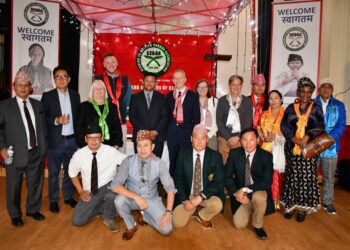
{"type": "Point", "coordinates": [258, 108]}
{"type": "Point", "coordinates": [102, 120]}
{"type": "Point", "coordinates": [207, 119]}
{"type": "Point", "coordinates": [233, 120]}
{"type": "Point", "coordinates": [178, 108]}
{"type": "Point", "coordinates": [301, 125]}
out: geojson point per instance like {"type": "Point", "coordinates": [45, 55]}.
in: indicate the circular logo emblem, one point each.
{"type": "Point", "coordinates": [36, 14]}
{"type": "Point", "coordinates": [295, 39]}
{"type": "Point", "coordinates": [153, 58]}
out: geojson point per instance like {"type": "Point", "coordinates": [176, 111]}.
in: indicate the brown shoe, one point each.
{"type": "Point", "coordinates": [139, 218]}
{"type": "Point", "coordinates": [205, 223]}
{"type": "Point", "coordinates": [129, 233]}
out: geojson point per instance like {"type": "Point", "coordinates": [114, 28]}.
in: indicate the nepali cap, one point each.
{"type": "Point", "coordinates": [144, 135]}
{"type": "Point", "coordinates": [259, 78]}
{"type": "Point", "coordinates": [22, 76]}
{"type": "Point", "coordinates": [295, 57]}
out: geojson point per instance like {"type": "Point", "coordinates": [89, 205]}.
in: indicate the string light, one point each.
{"type": "Point", "coordinates": [231, 18]}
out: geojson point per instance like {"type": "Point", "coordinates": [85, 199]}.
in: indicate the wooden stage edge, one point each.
{"type": "Point", "coordinates": [319, 231]}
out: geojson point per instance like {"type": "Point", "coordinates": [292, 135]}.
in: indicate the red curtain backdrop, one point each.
{"type": "Point", "coordinates": [186, 51]}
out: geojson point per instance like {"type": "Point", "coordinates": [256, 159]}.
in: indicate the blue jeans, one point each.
{"type": "Point", "coordinates": [60, 155]}
{"type": "Point", "coordinates": [328, 169]}
{"type": "Point", "coordinates": [152, 214]}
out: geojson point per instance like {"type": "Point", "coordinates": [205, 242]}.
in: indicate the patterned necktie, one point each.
{"type": "Point", "coordinates": [94, 174]}
{"type": "Point", "coordinates": [148, 98]}
{"type": "Point", "coordinates": [32, 138]}
{"type": "Point", "coordinates": [197, 176]}
{"type": "Point", "coordinates": [142, 171]}
{"type": "Point", "coordinates": [247, 172]}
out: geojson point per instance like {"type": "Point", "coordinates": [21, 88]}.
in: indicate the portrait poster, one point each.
{"type": "Point", "coordinates": [295, 46]}
{"type": "Point", "coordinates": [35, 42]}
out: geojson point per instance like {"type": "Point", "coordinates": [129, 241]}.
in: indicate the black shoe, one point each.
{"type": "Point", "coordinates": [260, 233]}
{"type": "Point", "coordinates": [301, 217]}
{"type": "Point", "coordinates": [17, 222]}
{"type": "Point", "coordinates": [54, 207]}
{"type": "Point", "coordinates": [36, 216]}
{"type": "Point", "coordinates": [70, 202]}
{"type": "Point", "coordinates": [288, 215]}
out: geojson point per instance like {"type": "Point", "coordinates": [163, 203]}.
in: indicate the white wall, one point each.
{"type": "Point", "coordinates": [335, 48]}
{"type": "Point", "coordinates": [237, 37]}
{"type": "Point", "coordinates": [85, 68]}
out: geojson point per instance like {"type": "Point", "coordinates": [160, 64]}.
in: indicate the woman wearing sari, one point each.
{"type": "Point", "coordinates": [102, 112]}
{"type": "Point", "coordinates": [272, 140]}
{"type": "Point", "coordinates": [302, 121]}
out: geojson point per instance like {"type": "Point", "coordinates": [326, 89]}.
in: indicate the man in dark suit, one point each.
{"type": "Point", "coordinates": [184, 114]}
{"type": "Point", "coordinates": [60, 107]}
{"type": "Point", "coordinates": [199, 179]}
{"type": "Point", "coordinates": [22, 126]}
{"type": "Point", "coordinates": [148, 111]}
{"type": "Point", "coordinates": [248, 177]}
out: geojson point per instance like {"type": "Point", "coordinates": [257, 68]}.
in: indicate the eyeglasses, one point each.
{"type": "Point", "coordinates": [64, 77]}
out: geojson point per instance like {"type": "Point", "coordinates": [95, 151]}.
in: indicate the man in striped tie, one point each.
{"type": "Point", "coordinates": [199, 179]}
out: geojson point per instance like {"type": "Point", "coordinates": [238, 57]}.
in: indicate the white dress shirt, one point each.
{"type": "Point", "coordinates": [66, 109]}
{"type": "Point", "coordinates": [32, 116]}
{"type": "Point", "coordinates": [194, 157]}
{"type": "Point", "coordinates": [108, 158]}
{"type": "Point", "coordinates": [324, 105]}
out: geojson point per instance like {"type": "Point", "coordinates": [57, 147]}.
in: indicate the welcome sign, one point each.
{"type": "Point", "coordinates": [295, 45]}
{"type": "Point", "coordinates": [35, 42]}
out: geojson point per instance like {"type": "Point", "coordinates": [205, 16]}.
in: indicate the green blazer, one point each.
{"type": "Point", "coordinates": [212, 175]}
{"type": "Point", "coordinates": [261, 171]}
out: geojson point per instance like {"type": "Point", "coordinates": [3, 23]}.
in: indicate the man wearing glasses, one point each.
{"type": "Point", "coordinates": [141, 173]}
{"type": "Point", "coordinates": [97, 164]}
{"type": "Point", "coordinates": [60, 108]}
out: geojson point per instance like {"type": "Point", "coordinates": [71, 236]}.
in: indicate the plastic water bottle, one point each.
{"type": "Point", "coordinates": [10, 153]}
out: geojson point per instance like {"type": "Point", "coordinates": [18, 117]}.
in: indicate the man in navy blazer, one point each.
{"type": "Point", "coordinates": [148, 111]}
{"type": "Point", "coordinates": [22, 126]}
{"type": "Point", "coordinates": [184, 114]}
{"type": "Point", "coordinates": [60, 107]}
{"type": "Point", "coordinates": [248, 177]}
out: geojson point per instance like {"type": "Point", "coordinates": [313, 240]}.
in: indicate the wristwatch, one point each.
{"type": "Point", "coordinates": [168, 211]}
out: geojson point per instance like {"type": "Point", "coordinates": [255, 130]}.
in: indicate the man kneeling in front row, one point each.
{"type": "Point", "coordinates": [141, 173]}
{"type": "Point", "coordinates": [97, 164]}
{"type": "Point", "coordinates": [248, 177]}
{"type": "Point", "coordinates": [199, 179]}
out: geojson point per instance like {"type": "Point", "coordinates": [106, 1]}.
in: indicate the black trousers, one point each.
{"type": "Point", "coordinates": [34, 172]}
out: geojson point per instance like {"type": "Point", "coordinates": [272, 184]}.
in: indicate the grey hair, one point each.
{"type": "Point", "coordinates": [93, 85]}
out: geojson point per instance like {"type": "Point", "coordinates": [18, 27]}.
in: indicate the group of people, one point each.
{"type": "Point", "coordinates": [244, 147]}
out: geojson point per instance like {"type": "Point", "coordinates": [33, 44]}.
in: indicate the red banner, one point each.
{"type": "Point", "coordinates": [186, 52]}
